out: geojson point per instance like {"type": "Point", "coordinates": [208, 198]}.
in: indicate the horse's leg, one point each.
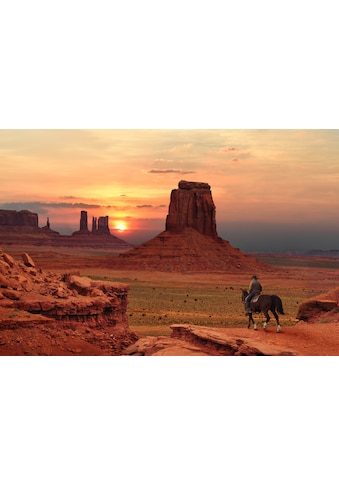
{"type": "Point", "coordinates": [250, 319]}
{"type": "Point", "coordinates": [268, 318]}
{"type": "Point", "coordinates": [277, 319]}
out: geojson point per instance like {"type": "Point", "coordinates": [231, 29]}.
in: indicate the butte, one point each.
{"type": "Point", "coordinates": [190, 242]}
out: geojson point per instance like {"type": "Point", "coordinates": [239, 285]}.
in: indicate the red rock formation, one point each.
{"type": "Point", "coordinates": [190, 241]}
{"type": "Point", "coordinates": [83, 221]}
{"type": "Point", "coordinates": [103, 227]}
{"type": "Point", "coordinates": [68, 299]}
{"type": "Point", "coordinates": [323, 307]}
{"type": "Point", "coordinates": [94, 224]}
{"type": "Point", "coordinates": [200, 340]}
{"type": "Point", "coordinates": [18, 220]}
{"type": "Point", "coordinates": [21, 228]}
{"type": "Point", "coordinates": [191, 205]}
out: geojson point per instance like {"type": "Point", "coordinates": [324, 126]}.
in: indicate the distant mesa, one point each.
{"type": "Point", "coordinates": [190, 242]}
{"type": "Point", "coordinates": [23, 227]}
{"type": "Point", "coordinates": [19, 220]}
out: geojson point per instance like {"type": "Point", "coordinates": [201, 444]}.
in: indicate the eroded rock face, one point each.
{"type": "Point", "coordinates": [203, 341]}
{"type": "Point", "coordinates": [103, 226]}
{"type": "Point", "coordinates": [323, 307]}
{"type": "Point", "coordinates": [66, 298]}
{"type": "Point", "coordinates": [191, 205]}
{"type": "Point", "coordinates": [18, 219]}
{"type": "Point", "coordinates": [83, 221]}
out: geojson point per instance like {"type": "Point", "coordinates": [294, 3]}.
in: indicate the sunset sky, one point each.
{"type": "Point", "coordinates": [273, 189]}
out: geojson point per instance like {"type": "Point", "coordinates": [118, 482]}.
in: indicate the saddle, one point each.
{"type": "Point", "coordinates": [255, 298]}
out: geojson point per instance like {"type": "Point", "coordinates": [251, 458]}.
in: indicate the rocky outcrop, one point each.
{"type": "Point", "coordinates": [83, 222]}
{"type": "Point", "coordinates": [103, 226]}
{"type": "Point", "coordinates": [30, 234]}
{"type": "Point", "coordinates": [18, 220]}
{"type": "Point", "coordinates": [100, 226]}
{"type": "Point", "coordinates": [63, 298]}
{"type": "Point", "coordinates": [190, 242]}
{"type": "Point", "coordinates": [200, 341]}
{"type": "Point", "coordinates": [323, 307]}
{"type": "Point", "coordinates": [191, 205]}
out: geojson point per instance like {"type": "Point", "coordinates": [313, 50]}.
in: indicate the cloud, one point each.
{"type": "Point", "coordinates": [43, 205]}
{"type": "Point", "coordinates": [183, 172]}
{"type": "Point", "coordinates": [185, 146]}
{"type": "Point", "coordinates": [150, 206]}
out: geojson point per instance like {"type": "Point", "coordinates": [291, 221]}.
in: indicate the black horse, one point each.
{"type": "Point", "coordinates": [264, 303]}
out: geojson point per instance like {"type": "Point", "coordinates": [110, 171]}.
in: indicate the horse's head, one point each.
{"type": "Point", "coordinates": [244, 293]}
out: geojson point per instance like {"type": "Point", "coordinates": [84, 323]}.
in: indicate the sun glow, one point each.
{"type": "Point", "coordinates": [120, 226]}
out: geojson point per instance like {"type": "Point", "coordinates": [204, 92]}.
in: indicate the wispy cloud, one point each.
{"type": "Point", "coordinates": [182, 172]}
{"type": "Point", "coordinates": [148, 206]}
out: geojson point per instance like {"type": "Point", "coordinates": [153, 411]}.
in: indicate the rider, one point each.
{"type": "Point", "coordinates": [253, 289]}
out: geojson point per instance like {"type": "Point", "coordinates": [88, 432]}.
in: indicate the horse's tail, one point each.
{"type": "Point", "coordinates": [278, 304]}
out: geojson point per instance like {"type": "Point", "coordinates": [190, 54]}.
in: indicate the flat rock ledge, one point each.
{"type": "Point", "coordinates": [203, 341]}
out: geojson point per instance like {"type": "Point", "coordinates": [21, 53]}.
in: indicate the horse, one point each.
{"type": "Point", "coordinates": [264, 303]}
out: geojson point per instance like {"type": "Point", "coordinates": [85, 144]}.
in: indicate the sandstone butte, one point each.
{"type": "Point", "coordinates": [22, 227]}
{"type": "Point", "coordinates": [190, 242]}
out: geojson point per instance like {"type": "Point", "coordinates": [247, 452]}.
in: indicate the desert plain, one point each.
{"type": "Point", "coordinates": [183, 313]}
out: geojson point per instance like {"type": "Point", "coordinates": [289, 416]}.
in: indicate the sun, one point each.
{"type": "Point", "coordinates": [120, 226]}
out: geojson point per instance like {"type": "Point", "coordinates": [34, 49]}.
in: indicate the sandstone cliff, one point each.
{"type": "Point", "coordinates": [11, 220]}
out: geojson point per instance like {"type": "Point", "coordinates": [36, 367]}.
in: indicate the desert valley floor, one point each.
{"type": "Point", "coordinates": [207, 304]}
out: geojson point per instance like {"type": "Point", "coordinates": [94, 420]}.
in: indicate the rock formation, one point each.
{"type": "Point", "coordinates": [99, 226]}
{"type": "Point", "coordinates": [18, 220]}
{"type": "Point", "coordinates": [324, 307]}
{"type": "Point", "coordinates": [30, 297]}
{"type": "Point", "coordinates": [22, 228]}
{"type": "Point", "coordinates": [103, 227]}
{"type": "Point", "coordinates": [83, 222]}
{"type": "Point", "coordinates": [191, 205]}
{"type": "Point", "coordinates": [204, 341]}
{"type": "Point", "coordinates": [190, 241]}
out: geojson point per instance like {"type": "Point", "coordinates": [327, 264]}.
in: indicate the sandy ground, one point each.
{"type": "Point", "coordinates": [301, 339]}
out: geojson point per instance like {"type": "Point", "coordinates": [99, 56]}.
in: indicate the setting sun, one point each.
{"type": "Point", "coordinates": [120, 226]}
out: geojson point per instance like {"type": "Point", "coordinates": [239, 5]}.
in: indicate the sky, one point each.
{"type": "Point", "coordinates": [273, 189]}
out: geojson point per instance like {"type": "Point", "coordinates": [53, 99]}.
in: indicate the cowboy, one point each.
{"type": "Point", "coordinates": [254, 288]}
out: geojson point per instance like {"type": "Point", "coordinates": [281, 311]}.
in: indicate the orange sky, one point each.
{"type": "Point", "coordinates": [263, 180]}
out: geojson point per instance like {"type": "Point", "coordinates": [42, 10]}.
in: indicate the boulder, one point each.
{"type": "Point", "coordinates": [27, 260]}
